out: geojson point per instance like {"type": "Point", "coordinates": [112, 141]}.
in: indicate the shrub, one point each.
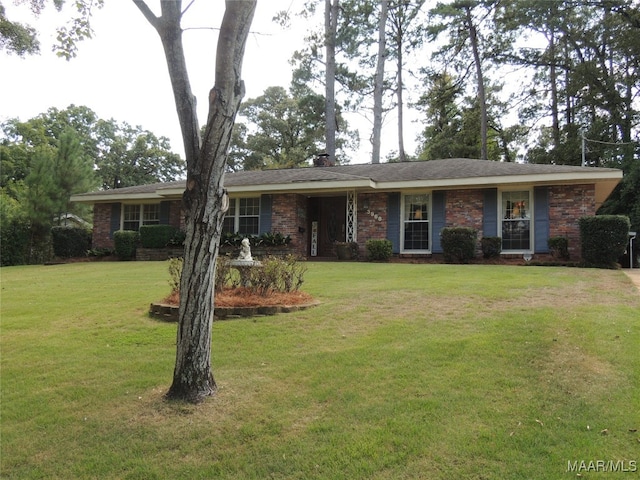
{"type": "Point", "coordinates": [458, 244]}
{"type": "Point", "coordinates": [604, 239]}
{"type": "Point", "coordinates": [491, 247]}
{"type": "Point", "coordinates": [14, 242]}
{"type": "Point", "coordinates": [125, 243]}
{"type": "Point", "coordinates": [175, 272]}
{"type": "Point", "coordinates": [379, 250]}
{"type": "Point", "coordinates": [159, 236]}
{"type": "Point", "coordinates": [272, 239]}
{"type": "Point", "coordinates": [70, 241]}
{"type": "Point", "coordinates": [559, 247]}
{"type": "Point", "coordinates": [277, 275]}
{"type": "Point", "coordinates": [347, 250]}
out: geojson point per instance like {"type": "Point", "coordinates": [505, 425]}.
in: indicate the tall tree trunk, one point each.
{"type": "Point", "coordinates": [332, 9]}
{"type": "Point", "coordinates": [402, 156]}
{"type": "Point", "coordinates": [204, 200]}
{"type": "Point", "coordinates": [378, 86]}
{"type": "Point", "coordinates": [553, 77]}
{"type": "Point", "coordinates": [482, 100]}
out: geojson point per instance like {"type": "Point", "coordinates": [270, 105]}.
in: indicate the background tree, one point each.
{"type": "Point", "coordinates": [280, 131]}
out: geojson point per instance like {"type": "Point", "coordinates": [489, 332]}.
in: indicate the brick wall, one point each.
{"type": "Point", "coordinates": [288, 217]}
{"type": "Point", "coordinates": [567, 203]}
{"type": "Point", "coordinates": [102, 226]}
{"type": "Point", "coordinates": [176, 215]}
{"type": "Point", "coordinates": [372, 222]}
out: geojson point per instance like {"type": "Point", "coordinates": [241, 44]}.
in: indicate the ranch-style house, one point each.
{"type": "Point", "coordinates": [407, 203]}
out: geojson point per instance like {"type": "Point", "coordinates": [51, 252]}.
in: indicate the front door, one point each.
{"type": "Point", "coordinates": [331, 215]}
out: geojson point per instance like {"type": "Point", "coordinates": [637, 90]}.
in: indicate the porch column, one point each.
{"type": "Point", "coordinates": [352, 216]}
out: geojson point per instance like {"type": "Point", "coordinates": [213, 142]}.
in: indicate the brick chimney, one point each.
{"type": "Point", "coordinates": [323, 160]}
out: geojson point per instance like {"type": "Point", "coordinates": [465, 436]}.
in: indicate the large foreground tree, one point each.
{"type": "Point", "coordinates": [205, 200]}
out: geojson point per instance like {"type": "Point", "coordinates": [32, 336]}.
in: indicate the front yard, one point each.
{"type": "Point", "coordinates": [403, 371]}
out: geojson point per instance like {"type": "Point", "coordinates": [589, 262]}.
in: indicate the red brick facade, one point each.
{"type": "Point", "coordinates": [463, 208]}
{"type": "Point", "coordinates": [567, 203]}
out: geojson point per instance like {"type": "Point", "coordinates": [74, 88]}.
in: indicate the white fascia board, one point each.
{"type": "Point", "coordinates": [569, 177]}
{"type": "Point", "coordinates": [303, 187]}
{"type": "Point", "coordinates": [125, 197]}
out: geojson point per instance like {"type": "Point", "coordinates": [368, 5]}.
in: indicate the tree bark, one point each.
{"type": "Point", "coordinates": [482, 99]}
{"type": "Point", "coordinates": [332, 9]}
{"type": "Point", "coordinates": [204, 200]}
{"type": "Point", "coordinates": [378, 86]}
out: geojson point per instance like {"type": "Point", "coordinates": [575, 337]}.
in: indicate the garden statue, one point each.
{"type": "Point", "coordinates": [245, 251]}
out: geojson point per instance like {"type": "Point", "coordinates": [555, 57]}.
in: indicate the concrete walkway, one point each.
{"type": "Point", "coordinates": [634, 275]}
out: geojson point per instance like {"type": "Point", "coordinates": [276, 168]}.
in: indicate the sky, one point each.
{"type": "Point", "coordinates": [121, 73]}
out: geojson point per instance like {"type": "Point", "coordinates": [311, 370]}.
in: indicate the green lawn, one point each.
{"type": "Point", "coordinates": [403, 372]}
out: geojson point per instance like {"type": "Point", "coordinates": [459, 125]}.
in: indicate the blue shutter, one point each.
{"type": "Point", "coordinates": [541, 219]}
{"type": "Point", "coordinates": [439, 219]}
{"type": "Point", "coordinates": [164, 213]}
{"type": "Point", "coordinates": [490, 213]}
{"type": "Point", "coordinates": [116, 209]}
{"type": "Point", "coordinates": [266, 202]}
{"type": "Point", "coordinates": [393, 220]}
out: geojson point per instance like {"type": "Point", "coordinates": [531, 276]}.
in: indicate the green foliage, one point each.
{"type": "Point", "coordinates": [379, 249]}
{"type": "Point", "coordinates": [347, 250]}
{"type": "Point", "coordinates": [70, 242]}
{"type": "Point", "coordinates": [125, 243]}
{"type": "Point", "coordinates": [277, 274]}
{"type": "Point", "coordinates": [559, 247]}
{"type": "Point", "coordinates": [14, 233]}
{"type": "Point", "coordinates": [285, 131]}
{"type": "Point", "coordinates": [604, 239]}
{"type": "Point", "coordinates": [491, 247]}
{"type": "Point", "coordinates": [160, 236]}
{"type": "Point", "coordinates": [175, 273]}
{"type": "Point", "coordinates": [267, 239]}
{"type": "Point", "coordinates": [458, 244]}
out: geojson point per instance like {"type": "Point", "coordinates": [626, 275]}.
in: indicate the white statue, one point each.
{"type": "Point", "coordinates": [245, 251]}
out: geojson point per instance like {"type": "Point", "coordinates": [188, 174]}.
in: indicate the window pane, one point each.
{"type": "Point", "coordinates": [516, 221]}
{"type": "Point", "coordinates": [248, 226]}
{"type": "Point", "coordinates": [416, 222]}
{"type": "Point", "coordinates": [249, 206]}
{"type": "Point", "coordinates": [131, 217]}
{"type": "Point", "coordinates": [151, 214]}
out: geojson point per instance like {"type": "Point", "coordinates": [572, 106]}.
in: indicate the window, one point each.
{"type": "Point", "coordinates": [516, 221]}
{"type": "Point", "coordinates": [243, 216]}
{"type": "Point", "coordinates": [416, 222]}
{"type": "Point", "coordinates": [135, 215]}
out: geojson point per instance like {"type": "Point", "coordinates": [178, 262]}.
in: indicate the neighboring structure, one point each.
{"type": "Point", "coordinates": [407, 203]}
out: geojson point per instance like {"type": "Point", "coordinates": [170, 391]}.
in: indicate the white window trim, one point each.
{"type": "Point", "coordinates": [430, 220]}
{"type": "Point", "coordinates": [140, 212]}
{"type": "Point", "coordinates": [531, 220]}
{"type": "Point", "coordinates": [236, 215]}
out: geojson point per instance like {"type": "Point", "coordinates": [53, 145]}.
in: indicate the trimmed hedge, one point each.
{"type": "Point", "coordinates": [379, 250]}
{"type": "Point", "coordinates": [604, 239]}
{"type": "Point", "coordinates": [70, 241]}
{"type": "Point", "coordinates": [491, 246]}
{"type": "Point", "coordinates": [125, 243]}
{"type": "Point", "coordinates": [559, 247]}
{"type": "Point", "coordinates": [458, 244]}
{"type": "Point", "coordinates": [14, 242]}
{"type": "Point", "coordinates": [160, 236]}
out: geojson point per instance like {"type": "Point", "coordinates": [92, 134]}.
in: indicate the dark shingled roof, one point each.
{"type": "Point", "coordinates": [449, 169]}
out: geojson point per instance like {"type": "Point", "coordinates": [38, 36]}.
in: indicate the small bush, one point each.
{"type": "Point", "coordinates": [491, 247]}
{"type": "Point", "coordinates": [604, 239]}
{"type": "Point", "coordinates": [125, 242]}
{"type": "Point", "coordinates": [272, 239]}
{"type": "Point", "coordinates": [277, 274]}
{"type": "Point", "coordinates": [175, 272]}
{"type": "Point", "coordinates": [458, 244]}
{"type": "Point", "coordinates": [379, 250]}
{"type": "Point", "coordinates": [159, 236]}
{"type": "Point", "coordinates": [70, 241]}
{"type": "Point", "coordinates": [559, 247]}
